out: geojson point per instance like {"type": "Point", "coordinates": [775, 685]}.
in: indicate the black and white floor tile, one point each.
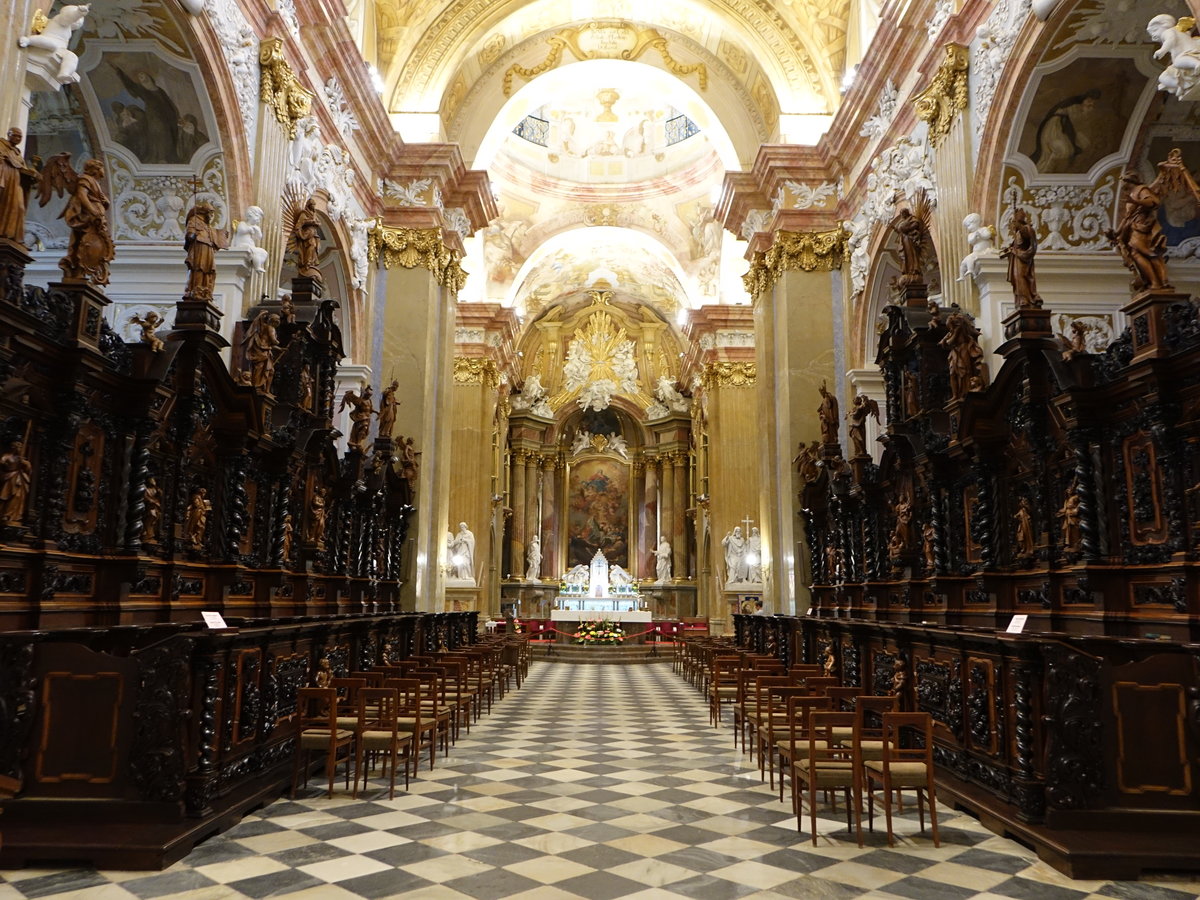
{"type": "Point", "coordinates": [592, 782]}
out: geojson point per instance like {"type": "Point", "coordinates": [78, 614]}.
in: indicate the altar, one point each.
{"type": "Point", "coordinates": [583, 615]}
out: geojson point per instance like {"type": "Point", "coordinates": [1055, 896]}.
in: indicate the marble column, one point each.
{"type": "Point", "coordinates": [651, 522]}
{"type": "Point", "coordinates": [516, 524]}
{"type": "Point", "coordinates": [549, 523]}
{"type": "Point", "coordinates": [679, 539]}
{"type": "Point", "coordinates": [533, 522]}
{"type": "Point", "coordinates": [666, 509]}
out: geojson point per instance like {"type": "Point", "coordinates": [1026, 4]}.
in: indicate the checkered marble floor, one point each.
{"type": "Point", "coordinates": [591, 782]}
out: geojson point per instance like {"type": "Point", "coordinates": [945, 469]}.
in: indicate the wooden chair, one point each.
{"type": "Point", "coordinates": [722, 687]}
{"type": "Point", "coordinates": [907, 762]}
{"type": "Point", "coordinates": [319, 732]}
{"type": "Point", "coordinates": [828, 766]}
{"type": "Point", "coordinates": [413, 719]}
{"type": "Point", "coordinates": [794, 746]}
{"type": "Point", "coordinates": [379, 731]}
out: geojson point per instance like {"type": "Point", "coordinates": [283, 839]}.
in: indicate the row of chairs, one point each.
{"type": "Point", "coordinates": [824, 737]}
{"type": "Point", "coordinates": [394, 712]}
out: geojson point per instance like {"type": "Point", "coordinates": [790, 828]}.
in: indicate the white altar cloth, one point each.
{"type": "Point", "coordinates": [583, 615]}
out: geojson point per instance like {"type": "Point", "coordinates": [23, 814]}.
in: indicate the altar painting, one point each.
{"type": "Point", "coordinates": [598, 513]}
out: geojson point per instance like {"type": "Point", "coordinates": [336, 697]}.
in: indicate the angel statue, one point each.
{"type": "Point", "coordinates": [361, 410]}
{"type": "Point", "coordinates": [1139, 236]}
{"type": "Point", "coordinates": [304, 239]}
{"type": "Point", "coordinates": [806, 461]}
{"type": "Point", "coordinates": [1175, 40]}
{"type": "Point", "coordinates": [982, 240]}
{"type": "Point", "coordinates": [149, 325]}
{"type": "Point", "coordinates": [864, 407]}
{"type": "Point", "coordinates": [202, 241]}
{"type": "Point", "coordinates": [52, 37]}
{"type": "Point", "coordinates": [90, 249]}
{"type": "Point", "coordinates": [262, 349]}
{"type": "Point", "coordinates": [912, 227]}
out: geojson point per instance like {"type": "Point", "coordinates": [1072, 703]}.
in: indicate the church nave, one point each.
{"type": "Point", "coordinates": [592, 781]}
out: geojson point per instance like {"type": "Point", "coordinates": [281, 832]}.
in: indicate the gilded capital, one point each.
{"type": "Point", "coordinates": [413, 247]}
{"type": "Point", "coordinates": [279, 88]}
{"type": "Point", "coordinates": [804, 250]}
{"type": "Point", "coordinates": [471, 370]}
{"type": "Point", "coordinates": [730, 374]}
{"type": "Point", "coordinates": [946, 95]}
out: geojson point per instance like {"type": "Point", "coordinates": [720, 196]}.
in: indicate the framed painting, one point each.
{"type": "Point", "coordinates": [598, 512]}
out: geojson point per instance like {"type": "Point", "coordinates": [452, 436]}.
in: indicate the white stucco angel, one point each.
{"type": "Point", "coordinates": [982, 240]}
{"type": "Point", "coordinates": [247, 236]}
{"type": "Point", "coordinates": [618, 577]}
{"type": "Point", "coordinates": [1176, 41]}
{"type": "Point", "coordinates": [51, 38]}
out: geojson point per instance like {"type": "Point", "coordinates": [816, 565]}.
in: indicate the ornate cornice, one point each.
{"type": "Point", "coordinates": [804, 250]}
{"type": "Point", "coordinates": [730, 374]}
{"type": "Point", "coordinates": [474, 370]}
{"type": "Point", "coordinates": [947, 94]}
{"type": "Point", "coordinates": [413, 247]}
{"type": "Point", "coordinates": [279, 88]}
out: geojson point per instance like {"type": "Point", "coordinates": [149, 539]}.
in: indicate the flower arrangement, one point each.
{"type": "Point", "coordinates": [599, 631]}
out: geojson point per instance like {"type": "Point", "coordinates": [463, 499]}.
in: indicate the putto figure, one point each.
{"type": "Point", "coordinates": [53, 38]}
{"type": "Point", "coordinates": [149, 324]}
{"type": "Point", "coordinates": [91, 246]}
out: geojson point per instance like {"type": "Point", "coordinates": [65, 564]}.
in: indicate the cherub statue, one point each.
{"type": "Point", "coordinates": [324, 676]}
{"type": "Point", "coordinates": [1020, 253]}
{"type": "Point", "coordinates": [149, 325]}
{"type": "Point", "coordinates": [982, 240]}
{"type": "Point", "coordinates": [361, 410]}
{"type": "Point", "coordinates": [52, 37]}
{"type": "Point", "coordinates": [90, 249]}
{"type": "Point", "coordinates": [202, 241]}
{"type": "Point", "coordinates": [304, 239]}
{"type": "Point", "coordinates": [262, 349]}
{"type": "Point", "coordinates": [247, 236]}
{"type": "Point", "coordinates": [1076, 344]}
{"type": "Point", "coordinates": [242, 378]}
{"type": "Point", "coordinates": [1175, 40]}
{"type": "Point", "coordinates": [864, 407]}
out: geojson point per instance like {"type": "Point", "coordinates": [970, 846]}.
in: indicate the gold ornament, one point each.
{"type": "Point", "coordinates": [804, 250]}
{"type": "Point", "coordinates": [947, 95]}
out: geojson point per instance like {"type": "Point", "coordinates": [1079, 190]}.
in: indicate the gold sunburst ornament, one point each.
{"type": "Point", "coordinates": [600, 363]}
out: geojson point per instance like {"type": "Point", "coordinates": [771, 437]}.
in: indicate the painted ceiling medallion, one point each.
{"type": "Point", "coordinates": [600, 363]}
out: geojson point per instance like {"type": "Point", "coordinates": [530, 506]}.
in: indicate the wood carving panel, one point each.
{"type": "Point", "coordinates": [1161, 766]}
{"type": "Point", "coordinates": [1143, 485]}
{"type": "Point", "coordinates": [74, 705]}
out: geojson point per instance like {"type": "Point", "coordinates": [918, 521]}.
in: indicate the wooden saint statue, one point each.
{"type": "Point", "coordinates": [90, 249]}
{"type": "Point", "coordinates": [361, 410]}
{"type": "Point", "coordinates": [902, 533]}
{"type": "Point", "coordinates": [927, 535]}
{"type": "Point", "coordinates": [1024, 522]}
{"type": "Point", "coordinates": [306, 389]}
{"type": "Point", "coordinates": [304, 240]}
{"type": "Point", "coordinates": [195, 524]}
{"type": "Point", "coordinates": [387, 409]}
{"type": "Point", "coordinates": [315, 532]}
{"type": "Point", "coordinates": [1020, 253]}
{"type": "Point", "coordinates": [864, 407]}
{"type": "Point", "coordinates": [827, 412]}
{"type": "Point", "coordinates": [202, 241]}
{"type": "Point", "coordinates": [965, 356]}
{"type": "Point", "coordinates": [16, 178]}
{"type": "Point", "coordinates": [408, 461]}
{"type": "Point", "coordinates": [1139, 236]}
{"type": "Point", "coordinates": [287, 528]}
{"type": "Point", "coordinates": [1070, 517]}
{"type": "Point", "coordinates": [16, 476]}
{"type": "Point", "coordinates": [806, 461]}
{"type": "Point", "coordinates": [149, 324]}
{"type": "Point", "coordinates": [152, 513]}
{"type": "Point", "coordinates": [262, 349]}
{"type": "Point", "coordinates": [912, 227]}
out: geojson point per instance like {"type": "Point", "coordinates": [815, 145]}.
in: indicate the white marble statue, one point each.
{"type": "Point", "coordinates": [583, 440]}
{"type": "Point", "coordinates": [1182, 76]}
{"type": "Point", "coordinates": [735, 556]}
{"type": "Point", "coordinates": [247, 236]}
{"type": "Point", "coordinates": [616, 443]}
{"type": "Point", "coordinates": [533, 559]}
{"type": "Point", "coordinates": [982, 239]}
{"type": "Point", "coordinates": [618, 577]}
{"type": "Point", "coordinates": [52, 41]}
{"type": "Point", "coordinates": [754, 557]}
{"type": "Point", "coordinates": [669, 395]}
{"type": "Point", "coordinates": [662, 556]}
{"type": "Point", "coordinates": [533, 397]}
{"type": "Point", "coordinates": [462, 554]}
{"type": "Point", "coordinates": [577, 575]}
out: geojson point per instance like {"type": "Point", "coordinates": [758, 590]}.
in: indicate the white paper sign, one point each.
{"type": "Point", "coordinates": [809, 613]}
{"type": "Point", "coordinates": [1017, 625]}
{"type": "Point", "coordinates": [213, 620]}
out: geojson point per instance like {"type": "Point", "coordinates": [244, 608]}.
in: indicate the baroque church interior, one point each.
{"type": "Point", "coordinates": [353, 348]}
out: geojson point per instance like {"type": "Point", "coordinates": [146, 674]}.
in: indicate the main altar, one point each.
{"type": "Point", "coordinates": [599, 591]}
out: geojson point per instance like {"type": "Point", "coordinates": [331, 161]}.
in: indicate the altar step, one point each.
{"type": "Point", "coordinates": [583, 654]}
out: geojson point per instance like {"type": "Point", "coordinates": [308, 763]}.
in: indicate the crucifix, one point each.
{"type": "Point", "coordinates": [195, 182]}
{"type": "Point", "coordinates": [746, 521]}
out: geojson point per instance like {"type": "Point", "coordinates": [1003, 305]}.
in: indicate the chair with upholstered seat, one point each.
{"type": "Point", "coordinates": [828, 766]}
{"type": "Point", "coordinates": [319, 732]}
{"type": "Point", "coordinates": [379, 732]}
{"type": "Point", "coordinates": [906, 763]}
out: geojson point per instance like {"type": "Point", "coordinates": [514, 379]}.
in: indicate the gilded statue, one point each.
{"type": "Point", "coordinates": [90, 249]}
{"type": "Point", "coordinates": [202, 241]}
{"type": "Point", "coordinates": [912, 227]}
{"type": "Point", "coordinates": [149, 325]}
{"type": "Point", "coordinates": [387, 409]}
{"type": "Point", "coordinates": [1020, 254]}
{"type": "Point", "coordinates": [304, 240]}
{"type": "Point", "coordinates": [902, 533]}
{"type": "Point", "coordinates": [306, 389]}
{"type": "Point", "coordinates": [827, 412]}
{"type": "Point", "coordinates": [195, 524]}
{"type": "Point", "coordinates": [324, 676]}
{"type": "Point", "coordinates": [864, 407]}
{"type": "Point", "coordinates": [315, 533]}
{"type": "Point", "coordinates": [806, 461]}
{"type": "Point", "coordinates": [242, 378]}
{"type": "Point", "coordinates": [361, 410]}
{"type": "Point", "coordinates": [16, 178]}
{"type": "Point", "coordinates": [965, 356]}
{"type": "Point", "coordinates": [1069, 515]}
{"type": "Point", "coordinates": [262, 350]}
{"type": "Point", "coordinates": [152, 510]}
{"type": "Point", "coordinates": [408, 461]}
{"type": "Point", "coordinates": [1023, 518]}
{"type": "Point", "coordinates": [16, 476]}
